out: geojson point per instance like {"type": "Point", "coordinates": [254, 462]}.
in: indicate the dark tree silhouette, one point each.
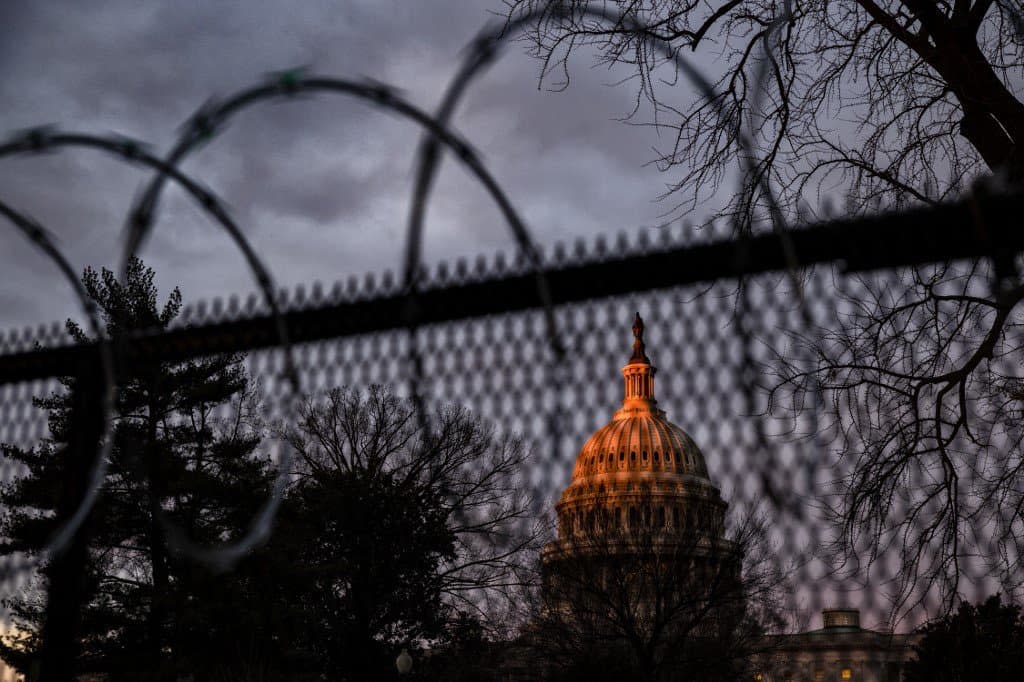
{"type": "Point", "coordinates": [184, 453]}
{"type": "Point", "coordinates": [391, 536]}
{"type": "Point", "coordinates": [981, 642]}
{"type": "Point", "coordinates": [901, 100]}
{"type": "Point", "coordinates": [921, 370]}
{"type": "Point", "coordinates": [892, 102]}
{"type": "Point", "coordinates": [651, 601]}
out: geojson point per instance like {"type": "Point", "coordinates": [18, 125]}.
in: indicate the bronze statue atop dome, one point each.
{"type": "Point", "coordinates": [639, 354]}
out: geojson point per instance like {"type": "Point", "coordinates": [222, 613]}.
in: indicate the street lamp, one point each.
{"type": "Point", "coordinates": [403, 662]}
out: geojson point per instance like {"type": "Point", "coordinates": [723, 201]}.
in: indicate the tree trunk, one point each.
{"type": "Point", "coordinates": [157, 545]}
{"type": "Point", "coordinates": [993, 117]}
{"type": "Point", "coordinates": [67, 573]}
{"type": "Point", "coordinates": [993, 120]}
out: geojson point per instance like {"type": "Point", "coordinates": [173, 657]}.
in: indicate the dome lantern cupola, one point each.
{"type": "Point", "coordinates": [639, 372]}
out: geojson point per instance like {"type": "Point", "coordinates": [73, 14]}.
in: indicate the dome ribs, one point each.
{"type": "Point", "coordinates": [639, 464]}
{"type": "Point", "coordinates": [640, 441]}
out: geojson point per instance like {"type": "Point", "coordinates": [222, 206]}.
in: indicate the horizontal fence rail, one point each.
{"type": "Point", "coordinates": [476, 337]}
{"type": "Point", "coordinates": [975, 227]}
{"type": "Point", "coordinates": [178, 454]}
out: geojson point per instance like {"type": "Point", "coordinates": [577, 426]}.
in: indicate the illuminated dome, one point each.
{"type": "Point", "coordinates": [638, 439]}
{"type": "Point", "coordinates": [640, 468]}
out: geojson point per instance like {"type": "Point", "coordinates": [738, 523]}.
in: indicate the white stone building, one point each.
{"type": "Point", "coordinates": [841, 651]}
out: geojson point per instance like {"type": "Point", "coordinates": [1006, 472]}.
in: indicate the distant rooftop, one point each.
{"type": "Point", "coordinates": [841, 618]}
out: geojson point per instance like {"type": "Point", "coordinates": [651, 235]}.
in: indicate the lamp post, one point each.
{"type": "Point", "coordinates": [404, 662]}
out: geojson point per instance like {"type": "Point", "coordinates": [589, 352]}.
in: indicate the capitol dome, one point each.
{"type": "Point", "coordinates": [640, 470]}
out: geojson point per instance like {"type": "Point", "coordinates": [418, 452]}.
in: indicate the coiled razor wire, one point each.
{"type": "Point", "coordinates": [213, 117]}
{"type": "Point", "coordinates": [142, 218]}
{"type": "Point", "coordinates": [483, 51]}
{"type": "Point", "coordinates": [107, 388]}
{"type": "Point", "coordinates": [135, 153]}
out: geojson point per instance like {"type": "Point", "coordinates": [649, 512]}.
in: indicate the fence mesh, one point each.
{"type": "Point", "coordinates": [870, 363]}
{"type": "Point", "coordinates": [720, 347]}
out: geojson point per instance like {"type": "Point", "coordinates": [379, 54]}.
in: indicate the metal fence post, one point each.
{"type": "Point", "coordinates": [67, 572]}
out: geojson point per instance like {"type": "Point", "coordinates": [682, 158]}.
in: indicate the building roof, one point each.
{"type": "Point", "coordinates": [842, 631]}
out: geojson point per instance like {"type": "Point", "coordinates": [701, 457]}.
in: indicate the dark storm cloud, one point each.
{"type": "Point", "coordinates": [320, 187]}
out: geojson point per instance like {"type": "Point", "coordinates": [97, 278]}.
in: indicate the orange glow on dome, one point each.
{"type": "Point", "coordinates": [639, 437]}
{"type": "Point", "coordinates": [639, 458]}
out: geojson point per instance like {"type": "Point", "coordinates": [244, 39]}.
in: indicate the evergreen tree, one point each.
{"type": "Point", "coordinates": [980, 642]}
{"type": "Point", "coordinates": [183, 452]}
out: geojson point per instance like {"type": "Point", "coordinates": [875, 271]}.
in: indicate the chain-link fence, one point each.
{"type": "Point", "coordinates": [855, 385]}
{"type": "Point", "coordinates": [729, 328]}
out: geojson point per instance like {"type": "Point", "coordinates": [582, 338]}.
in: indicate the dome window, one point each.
{"type": "Point", "coordinates": [644, 455]}
{"type": "Point", "coordinates": [668, 456]}
{"type": "Point", "coordinates": [632, 455]}
{"type": "Point", "coordinates": [622, 456]}
{"type": "Point", "coordinates": [655, 455]}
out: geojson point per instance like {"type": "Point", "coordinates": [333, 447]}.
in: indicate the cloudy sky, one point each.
{"type": "Point", "coordinates": [320, 186]}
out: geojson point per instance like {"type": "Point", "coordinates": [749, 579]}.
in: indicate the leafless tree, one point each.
{"type": "Point", "coordinates": [926, 413]}
{"type": "Point", "coordinates": [474, 473]}
{"type": "Point", "coordinates": [648, 597]}
{"type": "Point", "coordinates": [893, 102]}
